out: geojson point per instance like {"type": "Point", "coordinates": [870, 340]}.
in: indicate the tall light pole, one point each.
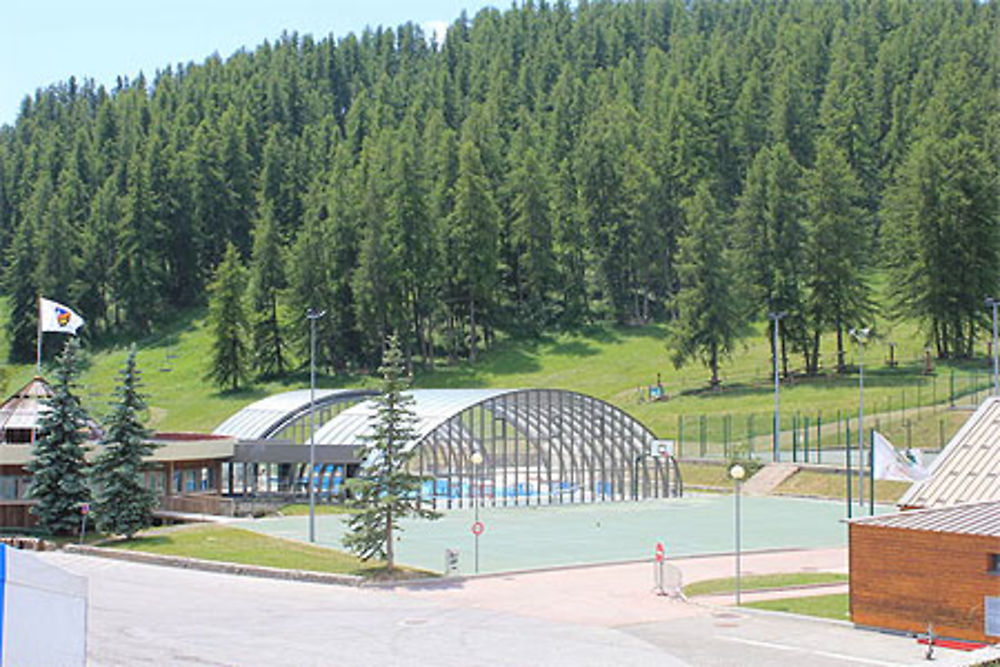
{"type": "Point", "coordinates": [737, 472]}
{"type": "Point", "coordinates": [312, 315]}
{"type": "Point", "coordinates": [776, 453]}
{"type": "Point", "coordinates": [861, 336]}
{"type": "Point", "coordinates": [990, 301]}
{"type": "Point", "coordinates": [477, 460]}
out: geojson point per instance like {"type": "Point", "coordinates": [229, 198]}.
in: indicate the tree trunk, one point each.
{"type": "Point", "coordinates": [715, 367]}
{"type": "Point", "coordinates": [472, 329]}
{"type": "Point", "coordinates": [841, 362]}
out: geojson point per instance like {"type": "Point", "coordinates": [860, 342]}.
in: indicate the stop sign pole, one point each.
{"type": "Point", "coordinates": [659, 554]}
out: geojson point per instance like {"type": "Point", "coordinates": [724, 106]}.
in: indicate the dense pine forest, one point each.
{"type": "Point", "coordinates": [702, 163]}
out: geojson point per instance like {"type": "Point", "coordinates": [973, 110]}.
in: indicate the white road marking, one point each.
{"type": "Point", "coordinates": [827, 654]}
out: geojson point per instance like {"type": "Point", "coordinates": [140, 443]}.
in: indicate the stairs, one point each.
{"type": "Point", "coordinates": [769, 478]}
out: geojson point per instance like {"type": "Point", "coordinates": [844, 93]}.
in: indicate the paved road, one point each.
{"type": "Point", "coordinates": [144, 614]}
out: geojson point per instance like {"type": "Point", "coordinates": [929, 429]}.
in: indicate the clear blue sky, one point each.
{"type": "Point", "coordinates": [47, 42]}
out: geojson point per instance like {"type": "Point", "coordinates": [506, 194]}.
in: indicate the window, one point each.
{"type": "Point", "coordinates": [994, 564]}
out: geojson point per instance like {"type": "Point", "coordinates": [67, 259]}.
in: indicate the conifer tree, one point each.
{"type": "Point", "coordinates": [267, 279]}
{"type": "Point", "coordinates": [58, 466]}
{"type": "Point", "coordinates": [122, 505]}
{"type": "Point", "coordinates": [709, 316]}
{"type": "Point", "coordinates": [386, 491]}
{"type": "Point", "coordinates": [228, 322]}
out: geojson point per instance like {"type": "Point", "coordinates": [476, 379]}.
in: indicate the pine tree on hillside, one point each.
{"type": "Point", "coordinates": [709, 314]}
{"type": "Point", "coordinates": [58, 466]}
{"type": "Point", "coordinates": [228, 322]}
{"type": "Point", "coordinates": [267, 279]}
{"type": "Point", "coordinates": [386, 491]}
{"type": "Point", "coordinates": [123, 506]}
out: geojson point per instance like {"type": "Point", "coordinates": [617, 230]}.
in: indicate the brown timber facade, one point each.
{"type": "Point", "coordinates": [905, 577]}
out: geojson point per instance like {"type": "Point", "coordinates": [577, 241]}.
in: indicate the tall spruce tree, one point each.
{"type": "Point", "coordinates": [710, 318]}
{"type": "Point", "coordinates": [122, 505]}
{"type": "Point", "coordinates": [267, 279]}
{"type": "Point", "coordinates": [386, 491]}
{"type": "Point", "coordinates": [228, 322]}
{"type": "Point", "coordinates": [58, 466]}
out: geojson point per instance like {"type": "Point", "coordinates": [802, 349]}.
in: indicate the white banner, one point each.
{"type": "Point", "coordinates": [890, 464]}
{"type": "Point", "coordinates": [57, 317]}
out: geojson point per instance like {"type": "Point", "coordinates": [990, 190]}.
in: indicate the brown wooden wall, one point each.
{"type": "Point", "coordinates": [15, 515]}
{"type": "Point", "coordinates": [905, 579]}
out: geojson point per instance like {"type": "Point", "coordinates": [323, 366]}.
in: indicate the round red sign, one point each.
{"type": "Point", "coordinates": [478, 528]}
{"type": "Point", "coordinates": [659, 552]}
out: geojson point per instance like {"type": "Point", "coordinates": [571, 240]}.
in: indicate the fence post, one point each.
{"type": "Point", "coordinates": [941, 434]}
{"type": "Point", "coordinates": [701, 435]}
{"type": "Point", "coordinates": [902, 410]}
{"type": "Point", "coordinates": [680, 436]}
{"type": "Point", "coordinates": [819, 437]}
{"type": "Point", "coordinates": [909, 433]}
{"type": "Point", "coordinates": [795, 438]}
{"type": "Point", "coordinates": [805, 438]}
{"type": "Point", "coordinates": [837, 442]}
{"type": "Point", "coordinates": [951, 390]}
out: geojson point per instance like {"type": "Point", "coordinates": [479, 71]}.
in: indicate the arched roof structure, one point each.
{"type": "Point", "coordinates": [537, 445]}
{"type": "Point", "coordinates": [280, 414]}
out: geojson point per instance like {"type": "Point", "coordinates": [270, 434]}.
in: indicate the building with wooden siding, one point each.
{"type": "Point", "coordinates": [938, 566]}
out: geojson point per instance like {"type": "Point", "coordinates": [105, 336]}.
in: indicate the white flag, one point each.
{"type": "Point", "coordinates": [890, 464]}
{"type": "Point", "coordinates": [57, 317]}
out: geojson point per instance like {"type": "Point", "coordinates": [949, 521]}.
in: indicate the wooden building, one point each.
{"type": "Point", "coordinates": [937, 566]}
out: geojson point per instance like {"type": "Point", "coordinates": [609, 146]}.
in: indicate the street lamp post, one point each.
{"type": "Point", "coordinates": [990, 301]}
{"type": "Point", "coordinates": [477, 460]}
{"type": "Point", "coordinates": [312, 315]}
{"type": "Point", "coordinates": [776, 453]}
{"type": "Point", "coordinates": [861, 336]}
{"type": "Point", "coordinates": [737, 472]}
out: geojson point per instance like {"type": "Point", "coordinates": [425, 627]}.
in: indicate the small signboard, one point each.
{"type": "Point", "coordinates": [478, 528]}
{"type": "Point", "coordinates": [85, 508]}
{"type": "Point", "coordinates": [663, 448]}
{"type": "Point", "coordinates": [659, 552]}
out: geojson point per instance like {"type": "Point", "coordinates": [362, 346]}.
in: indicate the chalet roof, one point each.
{"type": "Point", "coordinates": [968, 469]}
{"type": "Point", "coordinates": [22, 409]}
{"type": "Point", "coordinates": [970, 519]}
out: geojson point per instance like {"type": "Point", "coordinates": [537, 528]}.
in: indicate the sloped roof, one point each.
{"type": "Point", "coordinates": [22, 409]}
{"type": "Point", "coordinates": [970, 519]}
{"type": "Point", "coordinates": [968, 469]}
{"type": "Point", "coordinates": [267, 416]}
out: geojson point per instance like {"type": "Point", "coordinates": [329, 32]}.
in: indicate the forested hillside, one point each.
{"type": "Point", "coordinates": [700, 163]}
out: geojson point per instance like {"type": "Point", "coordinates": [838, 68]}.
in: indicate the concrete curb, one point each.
{"type": "Point", "coordinates": [217, 566]}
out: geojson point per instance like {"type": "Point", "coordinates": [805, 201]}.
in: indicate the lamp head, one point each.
{"type": "Point", "coordinates": [737, 472]}
{"type": "Point", "coordinates": [476, 458]}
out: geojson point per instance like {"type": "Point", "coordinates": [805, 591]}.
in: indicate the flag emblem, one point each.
{"type": "Point", "coordinates": [62, 316]}
{"type": "Point", "coordinates": [54, 316]}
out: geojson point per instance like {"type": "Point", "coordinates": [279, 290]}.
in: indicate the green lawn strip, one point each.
{"type": "Point", "coordinates": [763, 582]}
{"type": "Point", "coordinates": [235, 545]}
{"type": "Point", "coordinates": [302, 509]}
{"type": "Point", "coordinates": [835, 606]}
{"type": "Point", "coordinates": [832, 485]}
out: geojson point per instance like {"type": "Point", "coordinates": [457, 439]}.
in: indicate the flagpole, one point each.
{"type": "Point", "coordinates": [871, 467]}
{"type": "Point", "coordinates": [38, 353]}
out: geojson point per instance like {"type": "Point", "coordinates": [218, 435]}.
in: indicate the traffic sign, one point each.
{"type": "Point", "coordinates": [85, 508]}
{"type": "Point", "coordinates": [659, 552]}
{"type": "Point", "coordinates": [478, 528]}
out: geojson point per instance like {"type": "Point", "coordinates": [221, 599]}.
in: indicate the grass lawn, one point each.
{"type": "Point", "coordinates": [834, 606]}
{"type": "Point", "coordinates": [610, 362]}
{"type": "Point", "coordinates": [302, 509]}
{"type": "Point", "coordinates": [831, 485]}
{"type": "Point", "coordinates": [762, 582]}
{"type": "Point", "coordinates": [235, 545]}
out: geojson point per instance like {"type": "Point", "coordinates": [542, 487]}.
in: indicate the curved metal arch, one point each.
{"type": "Point", "coordinates": [263, 419]}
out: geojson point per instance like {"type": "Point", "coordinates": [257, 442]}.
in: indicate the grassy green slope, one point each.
{"type": "Point", "coordinates": [608, 362]}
